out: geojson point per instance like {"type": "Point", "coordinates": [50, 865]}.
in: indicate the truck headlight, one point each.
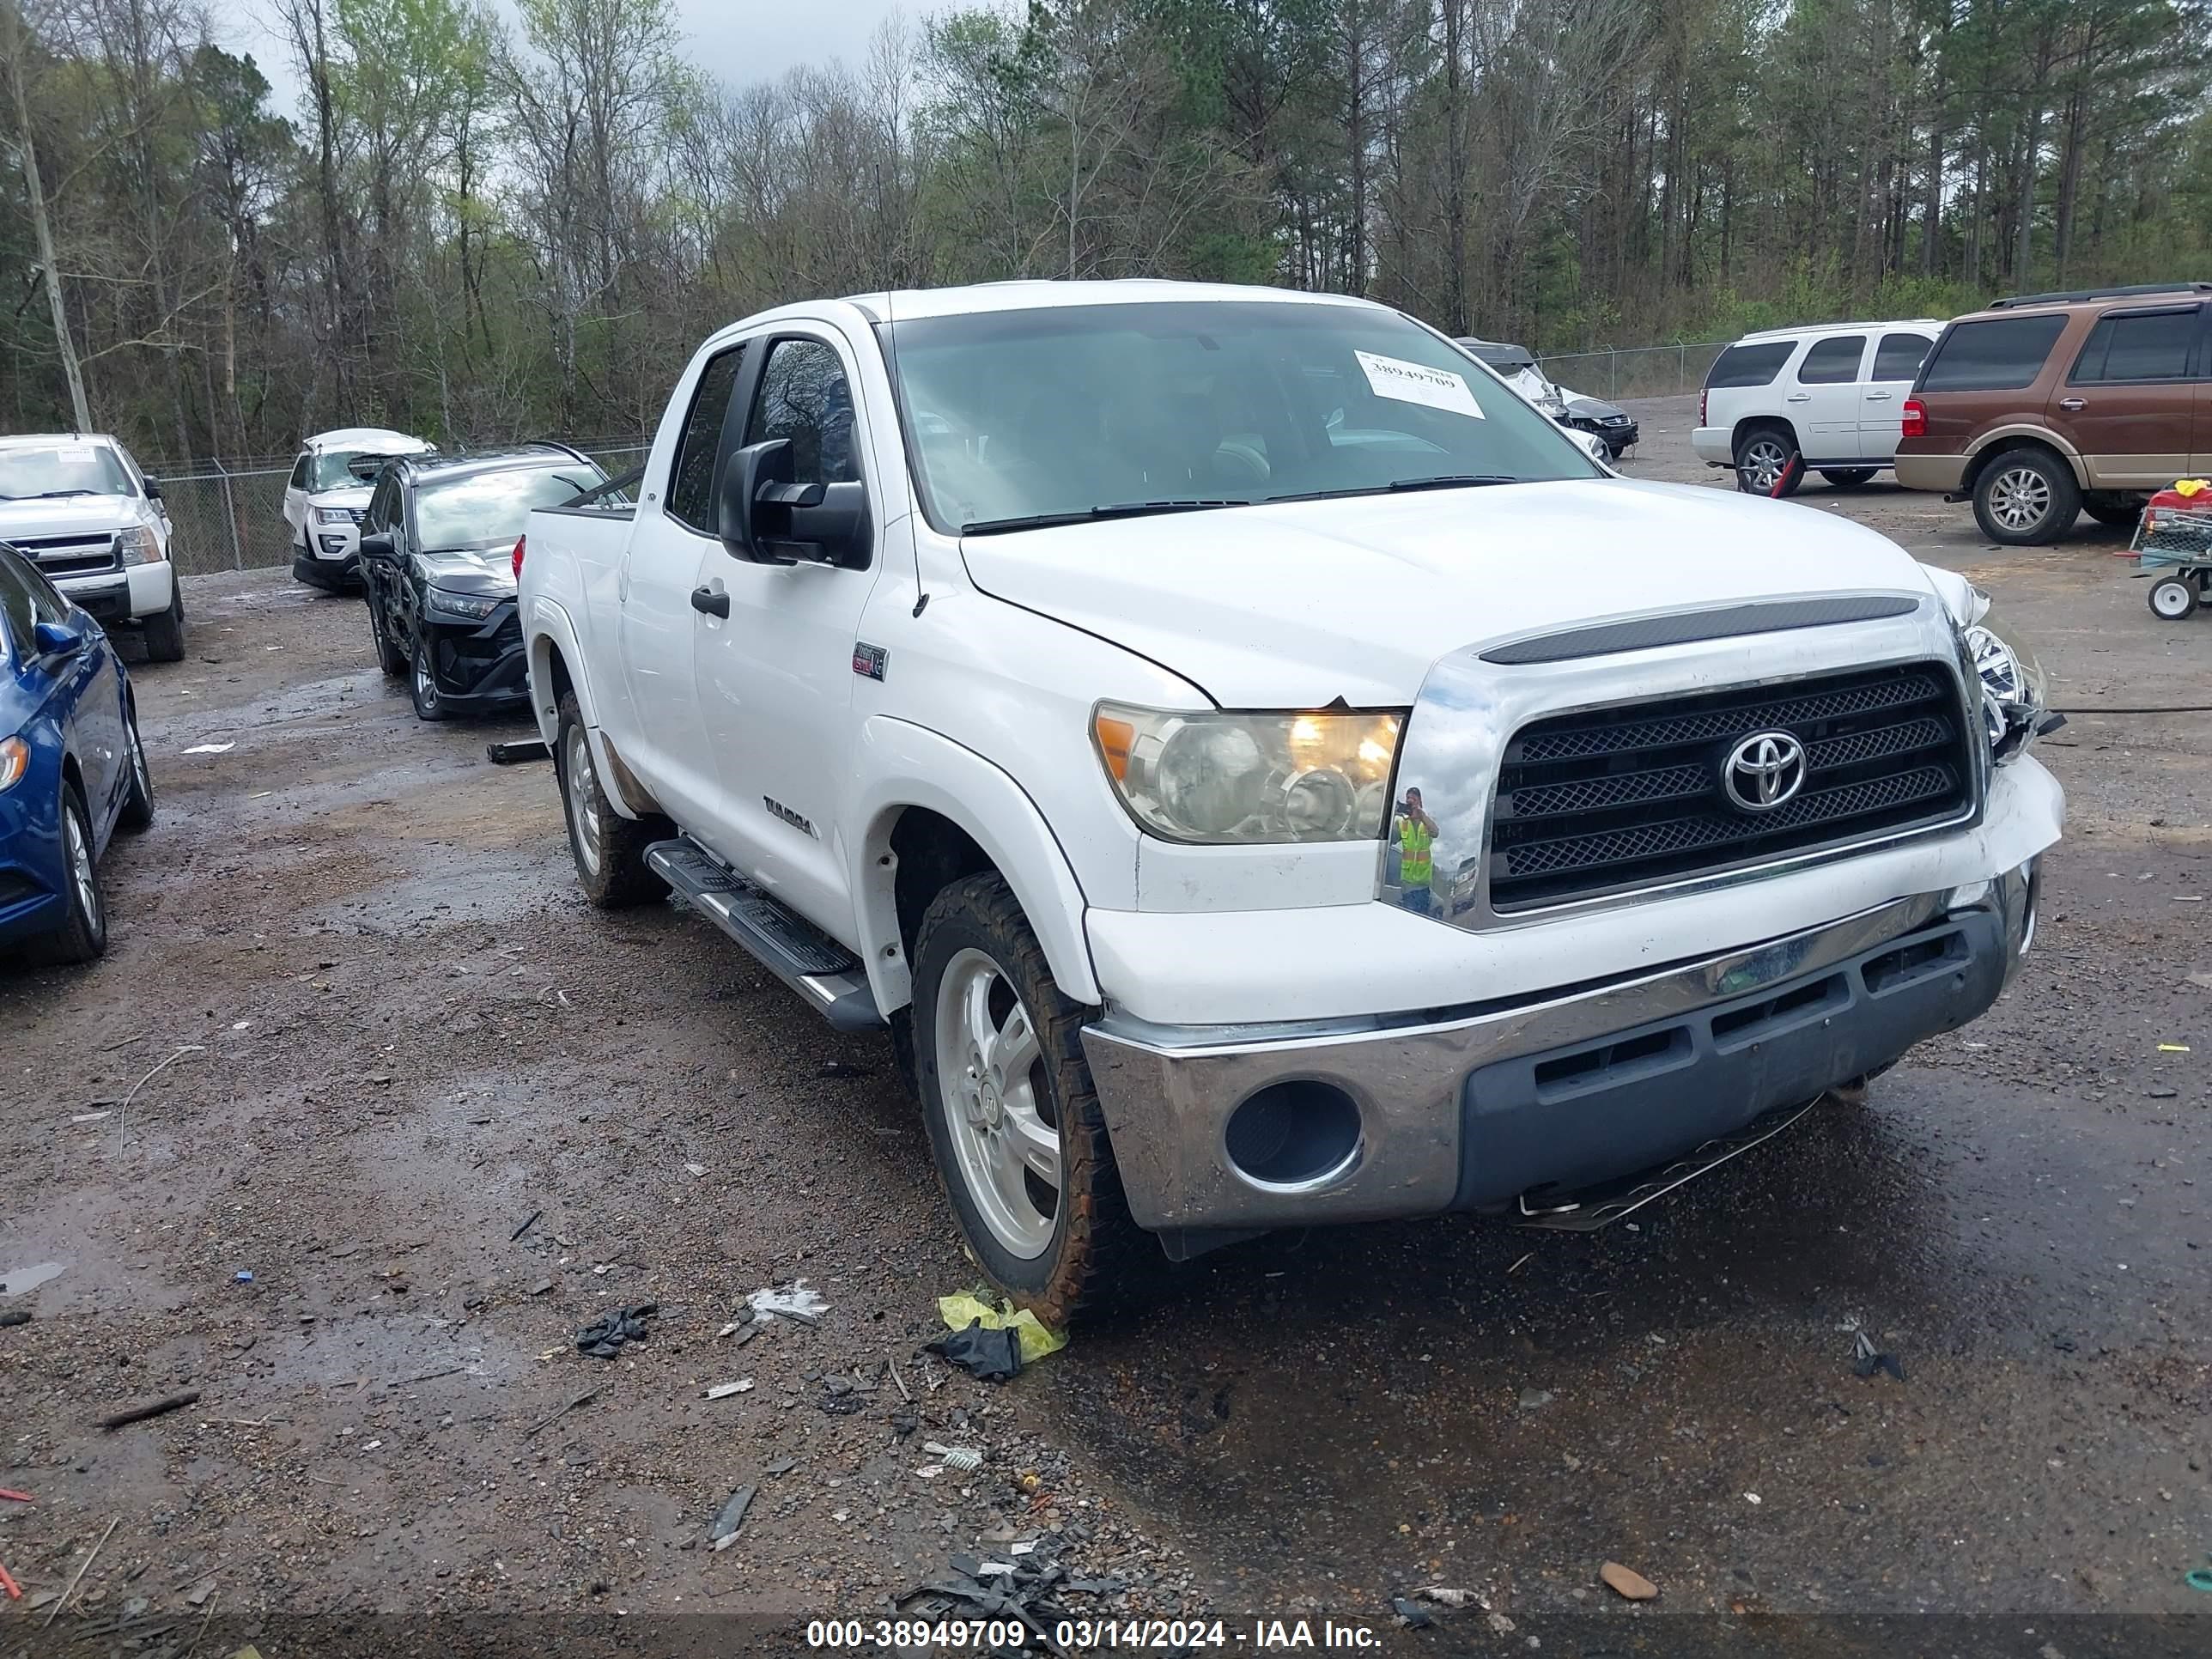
{"type": "Point", "coordinates": [474, 606]}
{"type": "Point", "coordinates": [138, 545]}
{"type": "Point", "coordinates": [1234, 778]}
{"type": "Point", "coordinates": [335, 515]}
{"type": "Point", "coordinates": [2013, 700]}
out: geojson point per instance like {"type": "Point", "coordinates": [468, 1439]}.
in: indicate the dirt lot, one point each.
{"type": "Point", "coordinates": [388, 1033]}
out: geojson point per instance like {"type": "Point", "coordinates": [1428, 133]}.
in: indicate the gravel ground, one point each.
{"type": "Point", "coordinates": [393, 1033]}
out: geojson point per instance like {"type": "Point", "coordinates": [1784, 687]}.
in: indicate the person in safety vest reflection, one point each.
{"type": "Point", "coordinates": [1417, 838]}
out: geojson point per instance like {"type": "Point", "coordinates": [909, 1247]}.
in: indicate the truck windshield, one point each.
{"type": "Point", "coordinates": [32, 472]}
{"type": "Point", "coordinates": [481, 508]}
{"type": "Point", "coordinates": [1057, 414]}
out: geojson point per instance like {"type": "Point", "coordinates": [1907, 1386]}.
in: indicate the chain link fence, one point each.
{"type": "Point", "coordinates": [1637, 371]}
{"type": "Point", "coordinates": [232, 518]}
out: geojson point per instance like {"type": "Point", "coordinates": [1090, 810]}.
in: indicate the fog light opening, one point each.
{"type": "Point", "coordinates": [1294, 1134]}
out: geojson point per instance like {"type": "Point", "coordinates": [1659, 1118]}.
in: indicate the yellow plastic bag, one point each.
{"type": "Point", "coordinates": [965, 1308]}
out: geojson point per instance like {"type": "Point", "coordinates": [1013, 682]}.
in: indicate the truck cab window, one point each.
{"type": "Point", "coordinates": [690, 496]}
{"type": "Point", "coordinates": [804, 398]}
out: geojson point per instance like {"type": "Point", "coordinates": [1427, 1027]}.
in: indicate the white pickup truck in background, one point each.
{"type": "Point", "coordinates": [1265, 773]}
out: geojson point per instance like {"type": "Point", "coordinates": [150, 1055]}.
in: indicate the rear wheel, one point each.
{"type": "Point", "coordinates": [2172, 598]}
{"type": "Point", "coordinates": [83, 935]}
{"type": "Point", "coordinates": [422, 683]}
{"type": "Point", "coordinates": [1847, 477]}
{"type": "Point", "coordinates": [2120, 512]}
{"type": "Point", "coordinates": [609, 848]}
{"type": "Point", "coordinates": [2026, 497]}
{"type": "Point", "coordinates": [1763, 460]}
{"type": "Point", "coordinates": [165, 634]}
{"type": "Point", "coordinates": [1014, 1122]}
{"type": "Point", "coordinates": [137, 812]}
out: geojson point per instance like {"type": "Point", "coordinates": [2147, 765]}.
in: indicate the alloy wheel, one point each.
{"type": "Point", "coordinates": [2020, 499]}
{"type": "Point", "coordinates": [997, 1106]}
{"type": "Point", "coordinates": [78, 846]}
{"type": "Point", "coordinates": [583, 798]}
{"type": "Point", "coordinates": [1763, 461]}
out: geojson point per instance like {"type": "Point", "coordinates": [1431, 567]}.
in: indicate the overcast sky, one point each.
{"type": "Point", "coordinates": [738, 41]}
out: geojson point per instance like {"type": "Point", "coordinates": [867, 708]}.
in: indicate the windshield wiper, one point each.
{"type": "Point", "coordinates": [1448, 481]}
{"type": "Point", "coordinates": [1089, 515]}
{"type": "Point", "coordinates": [53, 494]}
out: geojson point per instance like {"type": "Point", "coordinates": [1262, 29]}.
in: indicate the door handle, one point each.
{"type": "Point", "coordinates": [710, 602]}
{"type": "Point", "coordinates": [1799, 398]}
{"type": "Point", "coordinates": [2069, 404]}
{"type": "Point", "coordinates": [1877, 397]}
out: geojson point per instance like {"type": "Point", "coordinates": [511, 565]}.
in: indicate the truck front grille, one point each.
{"type": "Point", "coordinates": [1611, 799]}
{"type": "Point", "coordinates": [74, 555]}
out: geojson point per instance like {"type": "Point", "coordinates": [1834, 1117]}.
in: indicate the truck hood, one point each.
{"type": "Point", "coordinates": [1297, 605]}
{"type": "Point", "coordinates": [488, 571]}
{"type": "Point", "coordinates": [352, 495]}
{"type": "Point", "coordinates": [88, 514]}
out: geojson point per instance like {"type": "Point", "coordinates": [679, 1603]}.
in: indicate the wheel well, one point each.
{"type": "Point", "coordinates": [557, 672]}
{"type": "Point", "coordinates": [1989, 458]}
{"type": "Point", "coordinates": [933, 854]}
{"type": "Point", "coordinates": [1750, 423]}
{"type": "Point", "coordinates": [74, 779]}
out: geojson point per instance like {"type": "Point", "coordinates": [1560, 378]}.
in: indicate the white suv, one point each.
{"type": "Point", "coordinates": [324, 498]}
{"type": "Point", "coordinates": [77, 505]}
{"type": "Point", "coordinates": [1831, 397]}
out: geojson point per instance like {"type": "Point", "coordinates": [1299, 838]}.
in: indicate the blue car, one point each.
{"type": "Point", "coordinates": [72, 770]}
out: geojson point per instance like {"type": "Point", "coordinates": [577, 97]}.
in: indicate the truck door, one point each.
{"type": "Point", "coordinates": [775, 677]}
{"type": "Point", "coordinates": [1824, 404]}
{"type": "Point", "coordinates": [672, 541]}
{"type": "Point", "coordinates": [1897, 360]}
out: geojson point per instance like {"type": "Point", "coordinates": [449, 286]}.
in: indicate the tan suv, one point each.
{"type": "Point", "coordinates": [2046, 404]}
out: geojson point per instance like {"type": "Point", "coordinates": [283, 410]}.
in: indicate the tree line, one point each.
{"type": "Point", "coordinates": [479, 231]}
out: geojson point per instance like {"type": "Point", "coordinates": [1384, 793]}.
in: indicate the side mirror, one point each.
{"type": "Point", "coordinates": [1594, 447]}
{"type": "Point", "coordinates": [152, 488]}
{"type": "Point", "coordinates": [378, 546]}
{"type": "Point", "coordinates": [765, 517]}
{"type": "Point", "coordinates": [55, 639]}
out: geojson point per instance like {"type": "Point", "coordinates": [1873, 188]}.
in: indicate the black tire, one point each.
{"type": "Point", "coordinates": [2173, 599]}
{"type": "Point", "coordinates": [2026, 497]}
{"type": "Point", "coordinates": [389, 657]}
{"type": "Point", "coordinates": [83, 937]}
{"type": "Point", "coordinates": [421, 682]}
{"type": "Point", "coordinates": [615, 875]}
{"type": "Point", "coordinates": [165, 634]}
{"type": "Point", "coordinates": [137, 812]}
{"type": "Point", "coordinates": [1847, 477]}
{"type": "Point", "coordinates": [2120, 512]}
{"type": "Point", "coordinates": [1765, 454]}
{"type": "Point", "coordinates": [1095, 1255]}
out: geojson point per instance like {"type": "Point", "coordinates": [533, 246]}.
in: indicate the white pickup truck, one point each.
{"type": "Point", "coordinates": [1265, 773]}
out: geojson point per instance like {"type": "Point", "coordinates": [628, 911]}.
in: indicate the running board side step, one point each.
{"type": "Point", "coordinates": [823, 972]}
{"type": "Point", "coordinates": [1600, 1206]}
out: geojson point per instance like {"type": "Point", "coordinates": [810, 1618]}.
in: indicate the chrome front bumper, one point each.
{"type": "Point", "coordinates": [1610, 1078]}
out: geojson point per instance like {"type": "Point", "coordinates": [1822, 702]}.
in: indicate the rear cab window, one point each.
{"type": "Point", "coordinates": [1749, 364]}
{"type": "Point", "coordinates": [1992, 354]}
{"type": "Point", "coordinates": [2141, 347]}
{"type": "Point", "coordinates": [1833, 361]}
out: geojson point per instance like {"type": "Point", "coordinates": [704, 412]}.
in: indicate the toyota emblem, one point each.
{"type": "Point", "coordinates": [1763, 771]}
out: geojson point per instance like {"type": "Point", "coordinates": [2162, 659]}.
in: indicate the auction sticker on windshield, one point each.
{"type": "Point", "coordinates": [1416, 383]}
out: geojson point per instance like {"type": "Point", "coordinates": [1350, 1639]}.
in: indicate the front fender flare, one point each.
{"type": "Point", "coordinates": [904, 765]}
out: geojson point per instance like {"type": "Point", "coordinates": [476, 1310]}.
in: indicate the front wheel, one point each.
{"type": "Point", "coordinates": [137, 812]}
{"type": "Point", "coordinates": [83, 935]}
{"type": "Point", "coordinates": [609, 848]}
{"type": "Point", "coordinates": [422, 683]}
{"type": "Point", "coordinates": [2172, 599]}
{"type": "Point", "coordinates": [165, 633]}
{"type": "Point", "coordinates": [1014, 1122]}
{"type": "Point", "coordinates": [389, 657]}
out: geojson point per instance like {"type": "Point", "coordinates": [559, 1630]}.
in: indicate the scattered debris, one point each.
{"type": "Point", "coordinates": [1409, 1614]}
{"type": "Point", "coordinates": [1533, 1399]}
{"type": "Point", "coordinates": [961, 1460]}
{"type": "Point", "coordinates": [792, 1301]}
{"type": "Point", "coordinates": [15, 1590]}
{"type": "Point", "coordinates": [970, 1307]}
{"type": "Point", "coordinates": [16, 1497]}
{"type": "Point", "coordinates": [526, 1226]}
{"type": "Point", "coordinates": [583, 1399]}
{"type": "Point", "coordinates": [541, 1287]}
{"type": "Point", "coordinates": [1454, 1599]}
{"type": "Point", "coordinates": [843, 1068]}
{"type": "Point", "coordinates": [696, 1171]}
{"type": "Point", "coordinates": [243, 1276]}
{"type": "Point", "coordinates": [1751, 1497]}
{"type": "Point", "coordinates": [210, 749]}
{"type": "Point", "coordinates": [783, 1466]}
{"type": "Point", "coordinates": [84, 1567]}
{"type": "Point", "coordinates": [2173, 1047]}
{"type": "Point", "coordinates": [1866, 1360]}
{"type": "Point", "coordinates": [896, 1378]}
{"type": "Point", "coordinates": [603, 1338]}
{"type": "Point", "coordinates": [87, 1117]}
{"type": "Point", "coordinates": [14, 1317]}
{"type": "Point", "coordinates": [2198, 1578]}
{"type": "Point", "coordinates": [168, 1402]}
{"type": "Point", "coordinates": [724, 1390]}
{"type": "Point", "coordinates": [198, 1596]}
{"type": "Point", "coordinates": [723, 1532]}
{"type": "Point", "coordinates": [1628, 1582]}
{"type": "Point", "coordinates": [905, 1422]}
{"type": "Point", "coordinates": [994, 1356]}
{"type": "Point", "coordinates": [516, 750]}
